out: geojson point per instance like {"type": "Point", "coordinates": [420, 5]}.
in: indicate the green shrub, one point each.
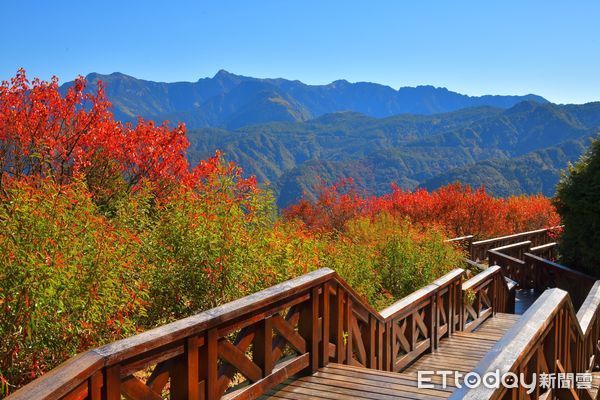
{"type": "Point", "coordinates": [68, 279]}
{"type": "Point", "coordinates": [578, 203]}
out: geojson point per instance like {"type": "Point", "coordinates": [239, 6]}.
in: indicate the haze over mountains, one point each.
{"type": "Point", "coordinates": [292, 135]}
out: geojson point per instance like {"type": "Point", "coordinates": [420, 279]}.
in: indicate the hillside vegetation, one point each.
{"type": "Point", "coordinates": [107, 230]}
{"type": "Point", "coordinates": [516, 151]}
{"type": "Point", "coordinates": [578, 202]}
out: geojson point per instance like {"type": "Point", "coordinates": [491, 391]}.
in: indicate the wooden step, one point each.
{"type": "Point", "coordinates": [461, 352]}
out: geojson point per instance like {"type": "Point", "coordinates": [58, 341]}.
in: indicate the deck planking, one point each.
{"type": "Point", "coordinates": [461, 352]}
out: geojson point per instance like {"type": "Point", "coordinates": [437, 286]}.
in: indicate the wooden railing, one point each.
{"type": "Point", "coordinates": [259, 341]}
{"type": "Point", "coordinates": [478, 250]}
{"type": "Point", "coordinates": [484, 295]}
{"type": "Point", "coordinates": [243, 348]}
{"type": "Point", "coordinates": [531, 271]}
{"type": "Point", "coordinates": [549, 338]}
{"type": "Point", "coordinates": [547, 251]}
{"type": "Point", "coordinates": [549, 274]}
{"type": "Point", "coordinates": [416, 323]}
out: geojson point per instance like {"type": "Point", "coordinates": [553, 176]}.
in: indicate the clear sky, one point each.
{"type": "Point", "coordinates": [551, 48]}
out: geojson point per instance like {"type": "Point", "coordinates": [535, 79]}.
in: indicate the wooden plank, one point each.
{"type": "Point", "coordinates": [281, 372]}
{"type": "Point", "coordinates": [133, 388]}
{"type": "Point", "coordinates": [238, 359]}
{"type": "Point", "coordinates": [289, 334]}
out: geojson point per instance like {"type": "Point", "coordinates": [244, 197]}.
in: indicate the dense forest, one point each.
{"type": "Point", "coordinates": [520, 150]}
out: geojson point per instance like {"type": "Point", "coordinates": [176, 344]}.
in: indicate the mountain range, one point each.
{"type": "Point", "coordinates": [232, 101]}
{"type": "Point", "coordinates": [294, 136]}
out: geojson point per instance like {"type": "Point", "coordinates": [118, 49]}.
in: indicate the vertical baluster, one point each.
{"type": "Point", "coordinates": [262, 346]}
{"type": "Point", "coordinates": [410, 326]}
{"type": "Point", "coordinates": [381, 346]}
{"type": "Point", "coordinates": [95, 386]}
{"type": "Point", "coordinates": [113, 382]}
{"type": "Point", "coordinates": [371, 340]}
{"type": "Point", "coordinates": [432, 322]}
{"type": "Point", "coordinates": [348, 329]}
{"type": "Point", "coordinates": [338, 325]}
{"type": "Point", "coordinates": [308, 327]}
{"type": "Point", "coordinates": [209, 358]}
{"type": "Point", "coordinates": [325, 322]}
{"type": "Point", "coordinates": [393, 344]}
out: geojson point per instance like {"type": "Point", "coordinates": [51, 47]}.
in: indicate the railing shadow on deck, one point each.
{"type": "Point", "coordinates": [242, 349]}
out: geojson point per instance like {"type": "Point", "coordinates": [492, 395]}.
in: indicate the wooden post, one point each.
{"type": "Point", "coordinates": [112, 383]}
{"type": "Point", "coordinates": [95, 386]}
{"type": "Point", "coordinates": [348, 329]}
{"type": "Point", "coordinates": [212, 358]}
{"type": "Point", "coordinates": [308, 327]}
{"type": "Point", "coordinates": [338, 325]}
{"type": "Point", "coordinates": [325, 322]}
{"type": "Point", "coordinates": [262, 346]}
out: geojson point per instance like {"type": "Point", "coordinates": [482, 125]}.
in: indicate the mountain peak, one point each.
{"type": "Point", "coordinates": [222, 73]}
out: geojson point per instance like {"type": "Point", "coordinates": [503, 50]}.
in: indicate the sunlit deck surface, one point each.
{"type": "Point", "coordinates": [461, 352]}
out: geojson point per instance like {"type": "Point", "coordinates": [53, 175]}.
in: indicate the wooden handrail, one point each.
{"type": "Point", "coordinates": [200, 355]}
{"type": "Point", "coordinates": [421, 319]}
{"type": "Point", "coordinates": [478, 250]}
{"type": "Point", "coordinates": [105, 372]}
{"type": "Point", "coordinates": [547, 251]}
{"type": "Point", "coordinates": [531, 271]}
{"type": "Point", "coordinates": [548, 338]}
{"type": "Point", "coordinates": [484, 295]}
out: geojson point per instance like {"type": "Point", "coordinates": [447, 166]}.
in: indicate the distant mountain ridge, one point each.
{"type": "Point", "coordinates": [232, 101]}
{"type": "Point", "coordinates": [293, 136]}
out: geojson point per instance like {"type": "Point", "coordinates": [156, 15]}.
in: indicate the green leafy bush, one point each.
{"type": "Point", "coordinates": [68, 279]}
{"type": "Point", "coordinates": [578, 203]}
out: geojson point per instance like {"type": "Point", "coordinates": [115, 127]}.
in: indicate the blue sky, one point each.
{"type": "Point", "coordinates": [551, 48]}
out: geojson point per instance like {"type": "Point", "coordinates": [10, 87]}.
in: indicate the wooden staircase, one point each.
{"type": "Point", "coordinates": [461, 352]}
{"type": "Point", "coordinates": [314, 337]}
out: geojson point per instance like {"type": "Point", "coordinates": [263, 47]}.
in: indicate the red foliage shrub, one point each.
{"type": "Point", "coordinates": [459, 209]}
{"type": "Point", "coordinates": [47, 134]}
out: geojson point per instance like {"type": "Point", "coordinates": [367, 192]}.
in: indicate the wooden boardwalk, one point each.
{"type": "Point", "coordinates": [314, 337]}
{"type": "Point", "coordinates": [460, 352]}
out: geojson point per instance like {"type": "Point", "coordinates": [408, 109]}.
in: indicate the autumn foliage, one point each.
{"type": "Point", "coordinates": [106, 230]}
{"type": "Point", "coordinates": [458, 209]}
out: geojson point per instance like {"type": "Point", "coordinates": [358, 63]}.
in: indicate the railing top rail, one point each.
{"type": "Point", "coordinates": [154, 338]}
{"type": "Point", "coordinates": [358, 299]}
{"type": "Point", "coordinates": [458, 239]}
{"type": "Point", "coordinates": [525, 243]}
{"type": "Point", "coordinates": [475, 264]}
{"type": "Point", "coordinates": [543, 246]}
{"type": "Point", "coordinates": [516, 343]}
{"type": "Point", "coordinates": [560, 267]}
{"type": "Point", "coordinates": [420, 295]}
{"type": "Point", "coordinates": [516, 235]}
{"type": "Point", "coordinates": [59, 381]}
{"type": "Point", "coordinates": [481, 277]}
{"type": "Point", "coordinates": [589, 309]}
{"type": "Point", "coordinates": [506, 256]}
